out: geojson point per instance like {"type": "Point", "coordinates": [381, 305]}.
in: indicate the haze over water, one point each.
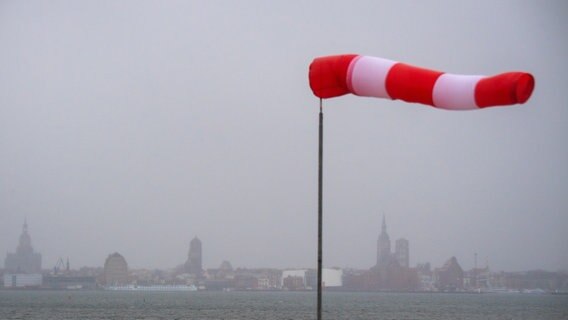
{"type": "Point", "coordinates": [135, 126]}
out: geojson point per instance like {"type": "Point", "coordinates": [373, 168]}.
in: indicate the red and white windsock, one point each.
{"type": "Point", "coordinates": [333, 76]}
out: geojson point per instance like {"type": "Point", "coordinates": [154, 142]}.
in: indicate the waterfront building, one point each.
{"type": "Point", "coordinates": [68, 282]}
{"type": "Point", "coordinates": [450, 276]}
{"type": "Point", "coordinates": [425, 277]}
{"type": "Point", "coordinates": [22, 280]}
{"type": "Point", "coordinates": [221, 278]}
{"type": "Point", "coordinates": [332, 278]}
{"type": "Point", "coordinates": [193, 265]}
{"type": "Point", "coordinates": [293, 283]}
{"type": "Point", "coordinates": [527, 281]}
{"type": "Point", "coordinates": [295, 279]}
{"type": "Point", "coordinates": [263, 283]}
{"type": "Point", "coordinates": [225, 271]}
{"type": "Point", "coordinates": [477, 279]}
{"type": "Point", "coordinates": [257, 279]}
{"type": "Point", "coordinates": [24, 260]}
{"type": "Point", "coordinates": [306, 279]}
{"type": "Point", "coordinates": [115, 270]}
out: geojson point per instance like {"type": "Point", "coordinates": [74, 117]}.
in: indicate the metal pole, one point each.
{"type": "Point", "coordinates": [320, 210]}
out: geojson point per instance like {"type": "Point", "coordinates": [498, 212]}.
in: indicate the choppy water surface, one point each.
{"type": "Point", "coordinates": [276, 305]}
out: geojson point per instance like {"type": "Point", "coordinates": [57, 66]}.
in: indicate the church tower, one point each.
{"type": "Point", "coordinates": [383, 245]}
{"type": "Point", "coordinates": [193, 264]}
{"type": "Point", "coordinates": [25, 244]}
{"type": "Point", "coordinates": [24, 260]}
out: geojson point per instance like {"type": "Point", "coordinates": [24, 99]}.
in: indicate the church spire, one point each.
{"type": "Point", "coordinates": [25, 244]}
{"type": "Point", "coordinates": [383, 245]}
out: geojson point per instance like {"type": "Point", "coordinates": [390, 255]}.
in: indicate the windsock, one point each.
{"type": "Point", "coordinates": [334, 76]}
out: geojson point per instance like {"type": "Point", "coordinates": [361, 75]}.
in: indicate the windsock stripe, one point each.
{"type": "Point", "coordinates": [455, 92]}
{"type": "Point", "coordinates": [367, 76]}
{"type": "Point", "coordinates": [383, 78]}
{"type": "Point", "coordinates": [411, 84]}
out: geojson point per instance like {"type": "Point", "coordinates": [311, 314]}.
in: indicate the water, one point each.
{"type": "Point", "coordinates": [276, 305]}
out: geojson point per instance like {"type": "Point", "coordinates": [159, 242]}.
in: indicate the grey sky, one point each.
{"type": "Point", "coordinates": [134, 126]}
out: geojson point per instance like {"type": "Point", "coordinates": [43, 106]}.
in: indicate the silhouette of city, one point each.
{"type": "Point", "coordinates": [391, 272]}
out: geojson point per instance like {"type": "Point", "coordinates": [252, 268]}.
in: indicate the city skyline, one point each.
{"type": "Point", "coordinates": [193, 263]}
{"type": "Point", "coordinates": [390, 273]}
{"type": "Point", "coordinates": [134, 126]}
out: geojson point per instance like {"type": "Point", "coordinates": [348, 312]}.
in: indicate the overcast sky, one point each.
{"type": "Point", "coordinates": [134, 126]}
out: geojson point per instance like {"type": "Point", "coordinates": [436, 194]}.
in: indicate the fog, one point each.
{"type": "Point", "coordinates": [134, 126]}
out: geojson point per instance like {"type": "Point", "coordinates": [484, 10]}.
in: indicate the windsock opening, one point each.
{"type": "Point", "coordinates": [525, 87]}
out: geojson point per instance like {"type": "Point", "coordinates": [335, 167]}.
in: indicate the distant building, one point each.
{"type": "Point", "coordinates": [332, 278]}
{"type": "Point", "coordinates": [477, 279]}
{"type": "Point", "coordinates": [531, 280]}
{"type": "Point", "coordinates": [225, 271]}
{"type": "Point", "coordinates": [193, 265]}
{"type": "Point", "coordinates": [22, 280]}
{"type": "Point", "coordinates": [450, 276]}
{"type": "Point", "coordinates": [270, 279]}
{"type": "Point", "coordinates": [387, 258]}
{"type": "Point", "coordinates": [383, 246]}
{"type": "Point", "coordinates": [226, 266]}
{"type": "Point", "coordinates": [115, 270]}
{"type": "Point", "coordinates": [68, 282]}
{"type": "Point", "coordinates": [25, 260]}
{"type": "Point", "coordinates": [294, 279]}
{"type": "Point", "coordinates": [391, 272]}
{"type": "Point", "coordinates": [401, 252]}
{"type": "Point", "coordinates": [293, 283]}
{"type": "Point", "coordinates": [425, 277]}
{"type": "Point", "coordinates": [306, 279]}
